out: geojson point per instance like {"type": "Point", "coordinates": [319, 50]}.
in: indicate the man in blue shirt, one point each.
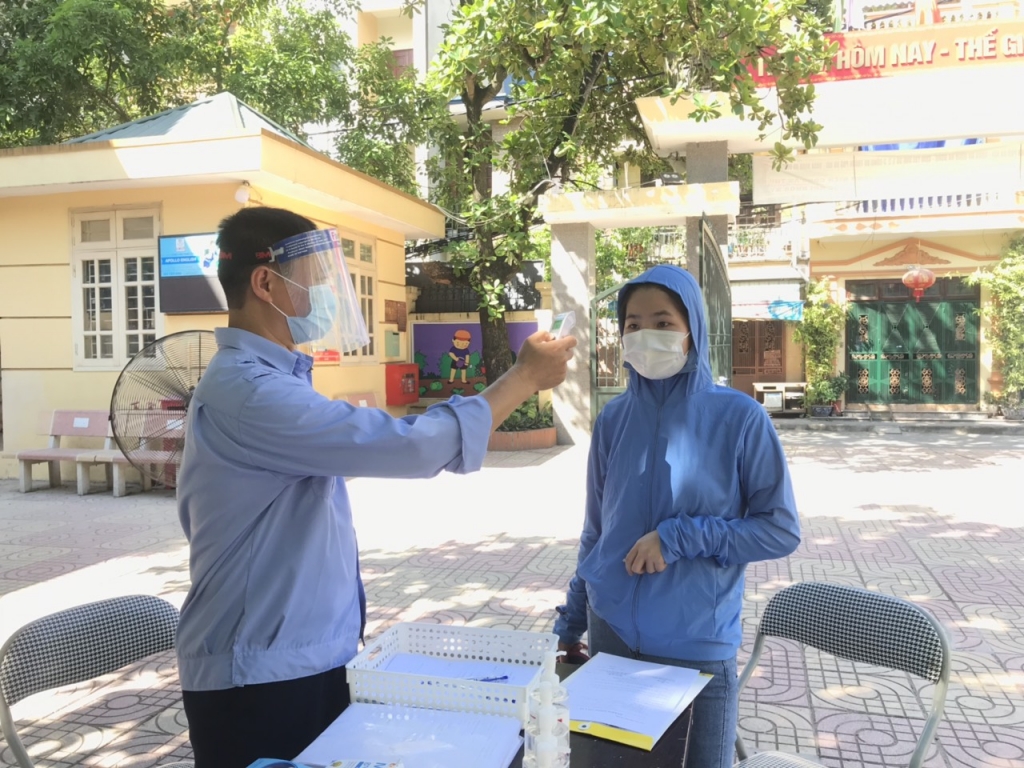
{"type": "Point", "coordinates": [276, 606]}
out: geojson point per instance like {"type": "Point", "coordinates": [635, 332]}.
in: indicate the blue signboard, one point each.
{"type": "Point", "coordinates": [189, 255]}
{"type": "Point", "coordinates": [188, 274]}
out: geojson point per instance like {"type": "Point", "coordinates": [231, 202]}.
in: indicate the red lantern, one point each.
{"type": "Point", "coordinates": [919, 280]}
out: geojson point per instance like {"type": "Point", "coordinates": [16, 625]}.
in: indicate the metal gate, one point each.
{"type": "Point", "coordinates": [904, 352]}
{"type": "Point", "coordinates": [714, 286]}
{"type": "Point", "coordinates": [608, 378]}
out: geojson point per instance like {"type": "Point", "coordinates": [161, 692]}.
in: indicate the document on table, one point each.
{"type": "Point", "coordinates": [630, 701]}
{"type": "Point", "coordinates": [418, 738]}
{"type": "Point", "coordinates": [478, 671]}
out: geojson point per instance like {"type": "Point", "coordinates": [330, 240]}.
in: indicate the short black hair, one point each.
{"type": "Point", "coordinates": [244, 239]}
{"type": "Point", "coordinates": [627, 293]}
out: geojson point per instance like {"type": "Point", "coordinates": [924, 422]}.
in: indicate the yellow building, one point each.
{"type": "Point", "coordinates": [80, 270]}
{"type": "Point", "coordinates": [901, 350]}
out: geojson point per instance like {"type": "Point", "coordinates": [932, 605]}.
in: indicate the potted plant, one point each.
{"type": "Point", "coordinates": [1006, 404]}
{"type": "Point", "coordinates": [529, 427]}
{"type": "Point", "coordinates": [838, 384]}
{"type": "Point", "coordinates": [821, 398]}
{"type": "Point", "coordinates": [820, 332]}
{"type": "Point", "coordinates": [1005, 283]}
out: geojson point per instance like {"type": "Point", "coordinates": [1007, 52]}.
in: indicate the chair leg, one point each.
{"type": "Point", "coordinates": [82, 475]}
{"type": "Point", "coordinates": [147, 481]}
{"type": "Point", "coordinates": [741, 748]}
{"type": "Point", "coordinates": [120, 481]}
{"type": "Point", "coordinates": [25, 476]}
{"type": "Point", "coordinates": [54, 474]}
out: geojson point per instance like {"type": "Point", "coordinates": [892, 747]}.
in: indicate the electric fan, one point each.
{"type": "Point", "coordinates": [150, 400]}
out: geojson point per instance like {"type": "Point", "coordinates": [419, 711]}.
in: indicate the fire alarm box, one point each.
{"type": "Point", "coordinates": [402, 383]}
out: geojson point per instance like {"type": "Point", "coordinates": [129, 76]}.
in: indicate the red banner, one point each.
{"type": "Point", "coordinates": [893, 52]}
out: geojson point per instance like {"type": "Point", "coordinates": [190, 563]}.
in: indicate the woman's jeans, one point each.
{"type": "Point", "coordinates": [715, 710]}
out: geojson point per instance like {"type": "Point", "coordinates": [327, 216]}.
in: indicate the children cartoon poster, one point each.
{"type": "Point", "coordinates": [450, 356]}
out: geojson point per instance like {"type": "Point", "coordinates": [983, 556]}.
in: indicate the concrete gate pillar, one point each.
{"type": "Point", "coordinates": [705, 163]}
{"type": "Point", "coordinates": [572, 286]}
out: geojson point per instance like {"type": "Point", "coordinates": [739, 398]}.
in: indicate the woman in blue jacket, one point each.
{"type": "Point", "coordinates": [687, 483]}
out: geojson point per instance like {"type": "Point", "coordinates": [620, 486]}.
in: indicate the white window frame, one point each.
{"type": "Point", "coordinates": [358, 269]}
{"type": "Point", "coordinates": [117, 249]}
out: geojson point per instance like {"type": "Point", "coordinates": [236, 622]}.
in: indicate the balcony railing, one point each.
{"type": "Point", "coordinates": [949, 16]}
{"type": "Point", "coordinates": [928, 205]}
{"type": "Point", "coordinates": [759, 234]}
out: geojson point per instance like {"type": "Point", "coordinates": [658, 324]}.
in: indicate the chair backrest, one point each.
{"type": "Point", "coordinates": [78, 644]}
{"type": "Point", "coordinates": [859, 625]}
{"type": "Point", "coordinates": [79, 424]}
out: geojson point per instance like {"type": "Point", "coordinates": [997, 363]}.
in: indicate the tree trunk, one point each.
{"type": "Point", "coordinates": [496, 354]}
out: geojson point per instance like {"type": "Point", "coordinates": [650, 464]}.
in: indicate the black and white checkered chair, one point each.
{"type": "Point", "coordinates": [860, 626]}
{"type": "Point", "coordinates": [76, 645]}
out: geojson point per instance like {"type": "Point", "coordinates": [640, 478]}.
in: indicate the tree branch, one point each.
{"type": "Point", "coordinates": [120, 111]}
{"type": "Point", "coordinates": [572, 121]}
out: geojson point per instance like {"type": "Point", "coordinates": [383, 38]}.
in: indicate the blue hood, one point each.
{"type": "Point", "coordinates": [696, 374]}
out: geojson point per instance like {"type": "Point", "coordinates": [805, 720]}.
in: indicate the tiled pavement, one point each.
{"type": "Point", "coordinates": [936, 518]}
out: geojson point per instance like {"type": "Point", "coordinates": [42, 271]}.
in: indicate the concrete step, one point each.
{"type": "Point", "coordinates": [902, 413]}
{"type": "Point", "coordinates": [932, 416]}
{"type": "Point", "coordinates": [994, 426]}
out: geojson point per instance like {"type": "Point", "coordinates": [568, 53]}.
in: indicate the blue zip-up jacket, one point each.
{"type": "Point", "coordinates": [703, 465]}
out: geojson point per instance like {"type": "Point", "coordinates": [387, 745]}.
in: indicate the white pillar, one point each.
{"type": "Point", "coordinates": [706, 163]}
{"type": "Point", "coordinates": [572, 287]}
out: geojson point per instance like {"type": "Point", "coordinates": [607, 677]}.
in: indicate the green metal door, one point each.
{"type": "Point", "coordinates": [907, 352]}
{"type": "Point", "coordinates": [945, 361]}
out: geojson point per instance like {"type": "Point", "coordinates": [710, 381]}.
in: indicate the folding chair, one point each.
{"type": "Point", "coordinates": [859, 626]}
{"type": "Point", "coordinates": [79, 644]}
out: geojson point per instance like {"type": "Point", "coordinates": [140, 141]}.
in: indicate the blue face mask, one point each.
{"type": "Point", "coordinates": [323, 312]}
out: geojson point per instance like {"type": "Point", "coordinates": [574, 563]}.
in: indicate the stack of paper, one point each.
{"type": "Point", "coordinates": [418, 738]}
{"type": "Point", "coordinates": [629, 701]}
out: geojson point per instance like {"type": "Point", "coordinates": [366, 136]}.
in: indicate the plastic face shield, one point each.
{"type": "Point", "coordinates": [327, 312]}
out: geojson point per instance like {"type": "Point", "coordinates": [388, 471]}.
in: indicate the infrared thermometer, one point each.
{"type": "Point", "coordinates": [563, 324]}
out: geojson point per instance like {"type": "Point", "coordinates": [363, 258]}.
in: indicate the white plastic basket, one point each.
{"type": "Point", "coordinates": [370, 683]}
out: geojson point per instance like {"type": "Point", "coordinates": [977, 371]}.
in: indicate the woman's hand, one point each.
{"type": "Point", "coordinates": [576, 653]}
{"type": "Point", "coordinates": [645, 556]}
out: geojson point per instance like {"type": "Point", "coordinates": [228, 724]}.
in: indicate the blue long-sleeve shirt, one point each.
{"type": "Point", "coordinates": [276, 593]}
{"type": "Point", "coordinates": [701, 465]}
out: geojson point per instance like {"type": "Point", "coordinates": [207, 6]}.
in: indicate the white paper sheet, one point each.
{"type": "Point", "coordinates": [632, 695]}
{"type": "Point", "coordinates": [419, 738]}
{"type": "Point", "coordinates": [479, 671]}
{"type": "Point", "coordinates": [81, 422]}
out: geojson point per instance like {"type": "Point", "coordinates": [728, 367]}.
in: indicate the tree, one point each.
{"type": "Point", "coordinates": [573, 71]}
{"type": "Point", "coordinates": [820, 332]}
{"type": "Point", "coordinates": [392, 116]}
{"type": "Point", "coordinates": [621, 254]}
{"type": "Point", "coordinates": [70, 67]}
{"type": "Point", "coordinates": [74, 66]}
{"type": "Point", "coordinates": [1005, 282]}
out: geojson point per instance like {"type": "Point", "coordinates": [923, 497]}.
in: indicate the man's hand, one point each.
{"type": "Point", "coordinates": [541, 365]}
{"type": "Point", "coordinates": [645, 556]}
{"type": "Point", "coordinates": [542, 360]}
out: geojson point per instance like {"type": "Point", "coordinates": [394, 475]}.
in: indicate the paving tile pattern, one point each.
{"type": "Point", "coordinates": [934, 519]}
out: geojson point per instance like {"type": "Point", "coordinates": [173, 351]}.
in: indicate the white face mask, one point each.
{"type": "Point", "coordinates": [655, 354]}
